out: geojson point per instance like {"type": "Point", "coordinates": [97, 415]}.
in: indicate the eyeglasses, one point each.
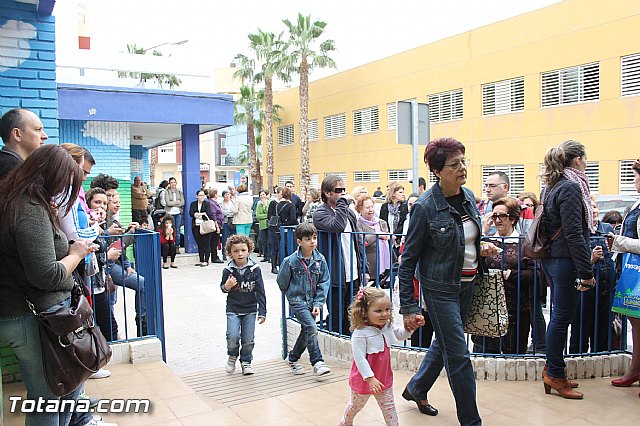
{"type": "Point", "coordinates": [501, 216]}
{"type": "Point", "coordinates": [458, 164]}
{"type": "Point", "coordinates": [493, 185]}
{"type": "Point", "coordinates": [86, 173]}
{"type": "Point", "coordinates": [339, 190]}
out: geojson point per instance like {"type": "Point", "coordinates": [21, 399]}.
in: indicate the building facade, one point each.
{"type": "Point", "coordinates": [509, 91]}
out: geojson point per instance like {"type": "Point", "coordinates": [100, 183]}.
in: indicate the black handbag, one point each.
{"type": "Point", "coordinates": [274, 221]}
{"type": "Point", "coordinates": [73, 348]}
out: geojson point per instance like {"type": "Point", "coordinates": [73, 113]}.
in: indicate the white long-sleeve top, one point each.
{"type": "Point", "coordinates": [371, 340]}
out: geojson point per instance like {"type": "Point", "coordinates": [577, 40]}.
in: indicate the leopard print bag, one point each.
{"type": "Point", "coordinates": [488, 313]}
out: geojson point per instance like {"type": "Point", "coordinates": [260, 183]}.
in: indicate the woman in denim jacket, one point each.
{"type": "Point", "coordinates": [443, 240]}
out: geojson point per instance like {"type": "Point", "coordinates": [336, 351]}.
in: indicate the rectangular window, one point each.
{"type": "Point", "coordinates": [334, 126]}
{"type": "Point", "coordinates": [365, 120]}
{"type": "Point", "coordinates": [570, 85]}
{"type": "Point", "coordinates": [515, 173]}
{"type": "Point", "coordinates": [341, 175]}
{"type": "Point", "coordinates": [284, 178]}
{"type": "Point", "coordinates": [314, 181]}
{"type": "Point", "coordinates": [445, 106]}
{"type": "Point", "coordinates": [368, 176]}
{"type": "Point", "coordinates": [285, 135]}
{"type": "Point", "coordinates": [593, 173]}
{"type": "Point", "coordinates": [404, 175]}
{"type": "Point", "coordinates": [313, 130]}
{"type": "Point", "coordinates": [626, 178]}
{"type": "Point", "coordinates": [630, 78]}
{"type": "Point", "coordinates": [503, 97]}
{"type": "Point", "coordinates": [392, 115]}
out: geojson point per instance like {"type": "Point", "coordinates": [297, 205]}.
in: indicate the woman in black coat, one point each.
{"type": "Point", "coordinates": [394, 212]}
{"type": "Point", "coordinates": [288, 215]}
{"type": "Point", "coordinates": [197, 210]}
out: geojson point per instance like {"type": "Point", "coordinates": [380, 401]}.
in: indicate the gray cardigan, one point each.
{"type": "Point", "coordinates": [30, 251]}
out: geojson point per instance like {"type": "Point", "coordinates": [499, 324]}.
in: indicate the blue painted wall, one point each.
{"type": "Point", "coordinates": [140, 163]}
{"type": "Point", "coordinates": [27, 63]}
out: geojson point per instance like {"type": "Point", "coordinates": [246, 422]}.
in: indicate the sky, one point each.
{"type": "Point", "coordinates": [364, 31]}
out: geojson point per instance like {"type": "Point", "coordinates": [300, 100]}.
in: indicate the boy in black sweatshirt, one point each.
{"type": "Point", "coordinates": [242, 281]}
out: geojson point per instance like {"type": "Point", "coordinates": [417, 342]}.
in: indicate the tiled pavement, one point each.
{"type": "Point", "coordinates": [213, 399]}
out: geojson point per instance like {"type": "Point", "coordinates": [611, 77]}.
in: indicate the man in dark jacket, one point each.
{"type": "Point", "coordinates": [342, 249]}
{"type": "Point", "coordinates": [295, 200]}
{"type": "Point", "coordinates": [22, 133]}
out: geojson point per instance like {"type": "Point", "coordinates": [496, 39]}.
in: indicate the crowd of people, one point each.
{"type": "Point", "coordinates": [431, 246]}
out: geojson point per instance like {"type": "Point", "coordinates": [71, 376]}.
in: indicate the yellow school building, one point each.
{"type": "Point", "coordinates": [508, 91]}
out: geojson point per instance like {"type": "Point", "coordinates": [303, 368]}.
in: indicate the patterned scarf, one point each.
{"type": "Point", "coordinates": [580, 177]}
{"type": "Point", "coordinates": [394, 210]}
{"type": "Point", "coordinates": [383, 247]}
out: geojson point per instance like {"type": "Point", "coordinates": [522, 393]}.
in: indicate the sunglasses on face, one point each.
{"type": "Point", "coordinates": [339, 190]}
{"type": "Point", "coordinates": [501, 216]}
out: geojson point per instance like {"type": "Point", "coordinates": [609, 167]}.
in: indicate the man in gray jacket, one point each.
{"type": "Point", "coordinates": [22, 133]}
{"type": "Point", "coordinates": [342, 249]}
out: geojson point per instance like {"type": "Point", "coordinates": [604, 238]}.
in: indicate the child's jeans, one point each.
{"type": "Point", "coordinates": [358, 401]}
{"type": "Point", "coordinates": [308, 338]}
{"type": "Point", "coordinates": [241, 329]}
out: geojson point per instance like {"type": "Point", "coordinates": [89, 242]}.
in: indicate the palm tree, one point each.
{"type": "Point", "coordinates": [301, 38]}
{"type": "Point", "coordinates": [245, 109]}
{"type": "Point", "coordinates": [270, 50]}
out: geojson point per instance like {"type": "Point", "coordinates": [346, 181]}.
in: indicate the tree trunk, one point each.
{"type": "Point", "coordinates": [268, 106]}
{"type": "Point", "coordinates": [259, 173]}
{"type": "Point", "coordinates": [305, 178]}
{"type": "Point", "coordinates": [252, 155]}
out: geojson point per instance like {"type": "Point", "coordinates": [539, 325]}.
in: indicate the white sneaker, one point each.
{"type": "Point", "coordinates": [296, 367]}
{"type": "Point", "coordinates": [247, 369]}
{"type": "Point", "coordinates": [231, 364]}
{"type": "Point", "coordinates": [100, 374]}
{"type": "Point", "coordinates": [97, 421]}
{"type": "Point", "coordinates": [320, 369]}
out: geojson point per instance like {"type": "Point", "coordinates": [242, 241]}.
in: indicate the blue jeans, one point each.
{"type": "Point", "coordinates": [448, 312]}
{"type": "Point", "coordinates": [226, 233]}
{"type": "Point", "coordinates": [177, 223]}
{"type": "Point", "coordinates": [308, 338]}
{"type": "Point", "coordinates": [134, 282]}
{"type": "Point", "coordinates": [22, 335]}
{"type": "Point", "coordinates": [241, 329]}
{"type": "Point", "coordinates": [562, 275]}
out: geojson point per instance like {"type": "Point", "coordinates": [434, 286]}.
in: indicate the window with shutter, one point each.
{"type": "Point", "coordinates": [569, 85]}
{"type": "Point", "coordinates": [593, 173]}
{"type": "Point", "coordinates": [626, 178]}
{"type": "Point", "coordinates": [392, 115]}
{"type": "Point", "coordinates": [334, 126]}
{"type": "Point", "coordinates": [365, 120]}
{"type": "Point", "coordinates": [502, 97]}
{"type": "Point", "coordinates": [399, 175]}
{"type": "Point", "coordinates": [313, 130]}
{"type": "Point", "coordinates": [314, 181]}
{"type": "Point", "coordinates": [630, 78]}
{"type": "Point", "coordinates": [445, 106]}
{"type": "Point", "coordinates": [515, 173]}
{"type": "Point", "coordinates": [285, 135]}
{"type": "Point", "coordinates": [368, 176]}
{"type": "Point", "coordinates": [284, 178]}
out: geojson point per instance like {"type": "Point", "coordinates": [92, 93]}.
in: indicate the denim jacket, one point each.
{"type": "Point", "coordinates": [294, 280]}
{"type": "Point", "coordinates": [435, 242]}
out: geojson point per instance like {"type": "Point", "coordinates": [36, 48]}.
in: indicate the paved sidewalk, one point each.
{"type": "Point", "coordinates": [196, 322]}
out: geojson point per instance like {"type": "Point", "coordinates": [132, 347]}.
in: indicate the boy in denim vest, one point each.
{"type": "Point", "coordinates": [304, 278]}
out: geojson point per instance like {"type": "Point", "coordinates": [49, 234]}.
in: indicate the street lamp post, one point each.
{"type": "Point", "coordinates": [177, 43]}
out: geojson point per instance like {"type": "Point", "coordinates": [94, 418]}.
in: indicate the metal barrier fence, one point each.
{"type": "Point", "coordinates": [595, 329]}
{"type": "Point", "coordinates": [146, 282]}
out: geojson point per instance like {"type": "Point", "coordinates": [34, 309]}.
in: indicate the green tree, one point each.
{"type": "Point", "coordinates": [270, 51]}
{"type": "Point", "coordinates": [169, 79]}
{"type": "Point", "coordinates": [303, 35]}
{"type": "Point", "coordinates": [246, 108]}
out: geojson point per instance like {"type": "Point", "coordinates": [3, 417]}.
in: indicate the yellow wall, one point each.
{"type": "Point", "coordinates": [570, 33]}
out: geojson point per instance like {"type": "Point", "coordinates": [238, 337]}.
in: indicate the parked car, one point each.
{"type": "Point", "coordinates": [619, 202]}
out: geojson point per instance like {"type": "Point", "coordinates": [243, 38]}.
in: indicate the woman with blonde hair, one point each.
{"type": "Point", "coordinates": [567, 223]}
{"type": "Point", "coordinates": [395, 210]}
{"type": "Point", "coordinates": [311, 204]}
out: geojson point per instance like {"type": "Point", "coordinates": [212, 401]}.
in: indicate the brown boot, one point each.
{"type": "Point", "coordinates": [560, 385]}
{"type": "Point", "coordinates": [572, 384]}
